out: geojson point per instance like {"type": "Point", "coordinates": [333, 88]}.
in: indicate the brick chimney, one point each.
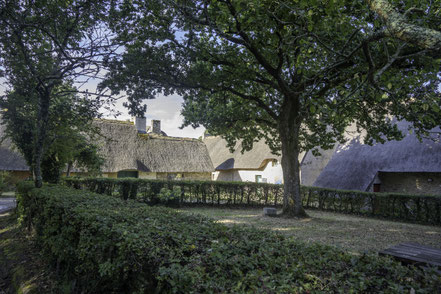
{"type": "Point", "coordinates": [156, 126]}
{"type": "Point", "coordinates": [141, 125]}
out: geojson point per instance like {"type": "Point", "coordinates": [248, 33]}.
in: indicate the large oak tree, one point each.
{"type": "Point", "coordinates": [294, 73]}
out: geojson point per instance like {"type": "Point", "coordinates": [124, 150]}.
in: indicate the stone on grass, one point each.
{"type": "Point", "coordinates": [269, 211]}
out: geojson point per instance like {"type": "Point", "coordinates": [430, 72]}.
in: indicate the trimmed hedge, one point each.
{"type": "Point", "coordinates": [415, 208]}
{"type": "Point", "coordinates": [107, 245]}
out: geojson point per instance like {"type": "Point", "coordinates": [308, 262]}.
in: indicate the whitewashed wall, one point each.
{"type": "Point", "coordinates": [273, 174]}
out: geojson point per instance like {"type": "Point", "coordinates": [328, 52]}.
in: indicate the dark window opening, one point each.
{"type": "Point", "coordinates": [127, 174]}
{"type": "Point", "coordinates": [377, 187]}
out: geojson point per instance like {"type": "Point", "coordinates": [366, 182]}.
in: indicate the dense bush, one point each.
{"type": "Point", "coordinates": [416, 208]}
{"type": "Point", "coordinates": [2, 184]}
{"type": "Point", "coordinates": [6, 181]}
{"type": "Point", "coordinates": [107, 245]}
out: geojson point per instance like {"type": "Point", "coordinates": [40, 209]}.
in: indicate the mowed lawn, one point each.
{"type": "Point", "coordinates": [352, 233]}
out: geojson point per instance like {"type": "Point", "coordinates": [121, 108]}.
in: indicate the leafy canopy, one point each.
{"type": "Point", "coordinates": [237, 63]}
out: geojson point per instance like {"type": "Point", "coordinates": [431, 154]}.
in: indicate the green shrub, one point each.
{"type": "Point", "coordinates": [108, 245]}
{"type": "Point", "coordinates": [2, 185]}
{"type": "Point", "coordinates": [415, 208]}
{"type": "Point", "coordinates": [5, 181]}
{"type": "Point", "coordinates": [170, 197]}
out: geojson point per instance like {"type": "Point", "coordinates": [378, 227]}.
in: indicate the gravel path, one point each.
{"type": "Point", "coordinates": [7, 204]}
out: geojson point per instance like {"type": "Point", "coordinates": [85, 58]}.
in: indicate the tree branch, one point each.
{"type": "Point", "coordinates": [399, 28]}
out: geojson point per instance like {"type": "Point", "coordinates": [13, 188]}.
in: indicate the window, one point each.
{"type": "Point", "coordinates": [258, 178]}
{"type": "Point", "coordinates": [377, 187]}
{"type": "Point", "coordinates": [171, 176]}
{"type": "Point", "coordinates": [127, 174]}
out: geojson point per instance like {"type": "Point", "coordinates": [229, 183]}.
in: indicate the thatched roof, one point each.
{"type": "Point", "coordinates": [10, 158]}
{"type": "Point", "coordinates": [223, 159]}
{"type": "Point", "coordinates": [354, 165]}
{"type": "Point", "coordinates": [312, 166]}
{"type": "Point", "coordinates": [123, 148]}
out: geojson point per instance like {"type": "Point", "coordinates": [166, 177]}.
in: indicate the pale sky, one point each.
{"type": "Point", "coordinates": [168, 111]}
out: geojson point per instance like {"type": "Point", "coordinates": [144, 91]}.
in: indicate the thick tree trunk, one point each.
{"type": "Point", "coordinates": [289, 131]}
{"type": "Point", "coordinates": [42, 121]}
{"type": "Point", "coordinates": [292, 199]}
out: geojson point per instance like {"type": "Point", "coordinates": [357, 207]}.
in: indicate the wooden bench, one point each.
{"type": "Point", "coordinates": [416, 254]}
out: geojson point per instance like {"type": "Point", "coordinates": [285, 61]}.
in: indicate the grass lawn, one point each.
{"type": "Point", "coordinates": [353, 233]}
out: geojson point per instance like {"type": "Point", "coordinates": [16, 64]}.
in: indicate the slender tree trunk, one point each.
{"type": "Point", "coordinates": [69, 167]}
{"type": "Point", "coordinates": [289, 131]}
{"type": "Point", "coordinates": [42, 121]}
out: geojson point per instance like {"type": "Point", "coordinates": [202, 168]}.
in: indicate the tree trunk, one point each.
{"type": "Point", "coordinates": [292, 199]}
{"type": "Point", "coordinates": [42, 121]}
{"type": "Point", "coordinates": [69, 167]}
{"type": "Point", "coordinates": [289, 131]}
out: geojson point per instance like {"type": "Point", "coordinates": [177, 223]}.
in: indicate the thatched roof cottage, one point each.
{"type": "Point", "coordinates": [132, 151]}
{"type": "Point", "coordinates": [256, 165]}
{"type": "Point", "coordinates": [406, 166]}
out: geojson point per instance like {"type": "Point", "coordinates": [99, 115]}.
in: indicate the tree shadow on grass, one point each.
{"type": "Point", "coordinates": [22, 269]}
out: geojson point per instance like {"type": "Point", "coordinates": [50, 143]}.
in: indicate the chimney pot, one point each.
{"type": "Point", "coordinates": [156, 126]}
{"type": "Point", "coordinates": [141, 125]}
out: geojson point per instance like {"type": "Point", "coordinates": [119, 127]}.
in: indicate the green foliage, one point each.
{"type": "Point", "coordinates": [7, 181]}
{"type": "Point", "coordinates": [4, 181]}
{"type": "Point", "coordinates": [170, 197]}
{"type": "Point", "coordinates": [111, 246]}
{"type": "Point", "coordinates": [415, 208]}
{"type": "Point", "coordinates": [45, 47]}
{"type": "Point", "coordinates": [68, 131]}
{"type": "Point", "coordinates": [51, 168]}
{"type": "Point", "coordinates": [87, 157]}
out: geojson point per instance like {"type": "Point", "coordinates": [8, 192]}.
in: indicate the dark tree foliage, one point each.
{"type": "Point", "coordinates": [68, 134]}
{"type": "Point", "coordinates": [44, 45]}
{"type": "Point", "coordinates": [294, 73]}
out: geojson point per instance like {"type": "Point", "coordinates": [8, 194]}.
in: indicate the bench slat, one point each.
{"type": "Point", "coordinates": [414, 253]}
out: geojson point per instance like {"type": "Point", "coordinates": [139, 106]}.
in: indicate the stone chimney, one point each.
{"type": "Point", "coordinates": [156, 126]}
{"type": "Point", "coordinates": [141, 125]}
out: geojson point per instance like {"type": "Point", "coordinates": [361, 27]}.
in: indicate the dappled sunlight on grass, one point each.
{"type": "Point", "coordinates": [285, 229]}
{"type": "Point", "coordinates": [229, 221]}
{"type": "Point", "coordinates": [241, 216]}
{"type": "Point", "coordinates": [433, 233]}
{"type": "Point", "coordinates": [350, 232]}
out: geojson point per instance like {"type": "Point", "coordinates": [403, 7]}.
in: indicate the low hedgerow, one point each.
{"type": "Point", "coordinates": [107, 245]}
{"type": "Point", "coordinates": [414, 208]}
